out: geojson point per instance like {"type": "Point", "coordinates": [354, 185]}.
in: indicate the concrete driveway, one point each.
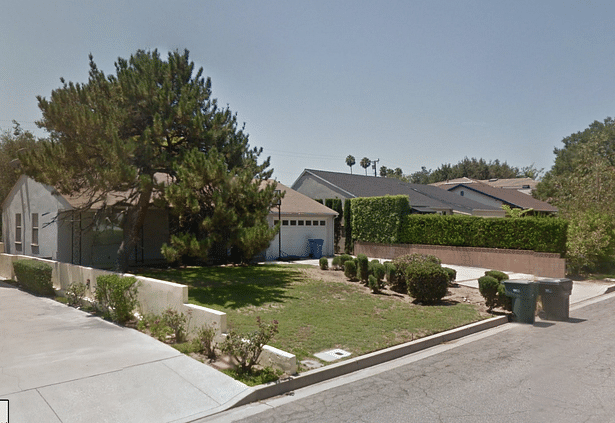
{"type": "Point", "coordinates": [59, 364]}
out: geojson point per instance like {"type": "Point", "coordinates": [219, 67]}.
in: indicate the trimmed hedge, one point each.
{"type": "Point", "coordinates": [541, 234]}
{"type": "Point", "coordinates": [348, 244]}
{"type": "Point", "coordinates": [34, 276]}
{"type": "Point", "coordinates": [379, 219]}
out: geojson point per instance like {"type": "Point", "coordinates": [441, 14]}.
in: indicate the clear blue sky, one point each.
{"type": "Point", "coordinates": [412, 83]}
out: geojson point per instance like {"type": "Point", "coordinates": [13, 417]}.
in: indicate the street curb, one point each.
{"type": "Point", "coordinates": [331, 371]}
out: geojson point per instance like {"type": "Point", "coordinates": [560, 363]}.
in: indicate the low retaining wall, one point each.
{"type": "Point", "coordinates": [154, 297]}
{"type": "Point", "coordinates": [548, 265]}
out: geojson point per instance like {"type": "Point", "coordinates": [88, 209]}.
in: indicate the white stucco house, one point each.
{"type": "Point", "coordinates": [38, 221]}
{"type": "Point", "coordinates": [303, 219]}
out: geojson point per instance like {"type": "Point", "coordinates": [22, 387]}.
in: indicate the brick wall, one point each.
{"type": "Point", "coordinates": [548, 265]}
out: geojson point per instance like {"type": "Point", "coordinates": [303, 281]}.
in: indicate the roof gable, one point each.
{"type": "Point", "coordinates": [508, 196]}
{"type": "Point", "coordinates": [296, 203]}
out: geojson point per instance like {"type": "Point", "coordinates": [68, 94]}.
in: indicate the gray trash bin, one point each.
{"type": "Point", "coordinates": [524, 295]}
{"type": "Point", "coordinates": [555, 295]}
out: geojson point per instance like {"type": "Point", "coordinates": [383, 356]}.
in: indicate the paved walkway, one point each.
{"type": "Point", "coordinates": [59, 364]}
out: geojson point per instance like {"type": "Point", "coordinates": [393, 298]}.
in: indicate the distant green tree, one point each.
{"type": "Point", "coordinates": [365, 163]}
{"type": "Point", "coordinates": [11, 143]}
{"type": "Point", "coordinates": [131, 133]}
{"type": "Point", "coordinates": [471, 168]}
{"type": "Point", "coordinates": [350, 162]}
{"type": "Point", "coordinates": [582, 185]}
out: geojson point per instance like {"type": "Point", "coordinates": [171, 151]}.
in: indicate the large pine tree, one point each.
{"type": "Point", "coordinates": [131, 132]}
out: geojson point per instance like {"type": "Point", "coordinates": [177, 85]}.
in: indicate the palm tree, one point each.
{"type": "Point", "coordinates": [365, 163]}
{"type": "Point", "coordinates": [350, 162]}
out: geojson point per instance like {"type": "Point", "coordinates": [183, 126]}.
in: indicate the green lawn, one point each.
{"type": "Point", "coordinates": [313, 315]}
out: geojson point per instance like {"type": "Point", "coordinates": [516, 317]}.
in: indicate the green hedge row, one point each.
{"type": "Point", "coordinates": [379, 219]}
{"type": "Point", "coordinates": [527, 233]}
{"type": "Point", "coordinates": [34, 276]}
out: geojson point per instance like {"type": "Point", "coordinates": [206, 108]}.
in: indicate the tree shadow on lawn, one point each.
{"type": "Point", "coordinates": [233, 287]}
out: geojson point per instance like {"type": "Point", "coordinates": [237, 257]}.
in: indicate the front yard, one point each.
{"type": "Point", "coordinates": [318, 310]}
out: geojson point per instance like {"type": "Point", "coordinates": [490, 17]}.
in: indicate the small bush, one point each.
{"type": "Point", "coordinates": [177, 322]}
{"type": "Point", "coordinates": [362, 267]}
{"type": "Point", "coordinates": [488, 288]}
{"type": "Point", "coordinates": [391, 273]}
{"type": "Point", "coordinates": [427, 282]}
{"type": "Point", "coordinates": [374, 284]}
{"type": "Point", "coordinates": [378, 270]}
{"type": "Point", "coordinates": [156, 326]}
{"type": "Point", "coordinates": [500, 276]}
{"type": "Point", "coordinates": [452, 275]}
{"type": "Point", "coordinates": [398, 282]}
{"type": "Point", "coordinates": [246, 349]}
{"type": "Point", "coordinates": [204, 340]}
{"type": "Point", "coordinates": [75, 294]}
{"type": "Point", "coordinates": [117, 296]}
{"type": "Point", "coordinates": [344, 258]}
{"type": "Point", "coordinates": [324, 263]}
{"type": "Point", "coordinates": [34, 276]}
{"type": "Point", "coordinates": [336, 263]}
{"type": "Point", "coordinates": [350, 270]}
{"type": "Point", "coordinates": [504, 301]}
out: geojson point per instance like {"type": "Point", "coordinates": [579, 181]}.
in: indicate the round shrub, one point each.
{"type": "Point", "coordinates": [500, 276]}
{"type": "Point", "coordinates": [336, 262]}
{"type": "Point", "coordinates": [427, 282]}
{"type": "Point", "coordinates": [344, 258]}
{"type": "Point", "coordinates": [452, 275]}
{"type": "Point", "coordinates": [350, 270]}
{"type": "Point", "coordinates": [323, 263]}
{"type": "Point", "coordinates": [34, 276]}
{"type": "Point", "coordinates": [488, 287]}
{"type": "Point", "coordinates": [398, 281]}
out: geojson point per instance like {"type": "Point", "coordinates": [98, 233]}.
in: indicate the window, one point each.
{"type": "Point", "coordinates": [285, 223]}
{"type": "Point", "coordinates": [18, 231]}
{"type": "Point", "coordinates": [461, 193]}
{"type": "Point", "coordinates": [308, 223]}
{"type": "Point", "coordinates": [316, 223]}
{"type": "Point", "coordinates": [34, 229]}
{"type": "Point", "coordinates": [300, 222]}
{"type": "Point", "coordinates": [293, 223]}
{"type": "Point", "coordinates": [275, 222]}
{"type": "Point", "coordinates": [323, 223]}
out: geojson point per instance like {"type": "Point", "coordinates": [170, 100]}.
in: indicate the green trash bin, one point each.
{"type": "Point", "coordinates": [524, 295]}
{"type": "Point", "coordinates": [555, 295]}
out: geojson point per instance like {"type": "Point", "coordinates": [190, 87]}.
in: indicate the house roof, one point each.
{"type": "Point", "coordinates": [510, 183]}
{"type": "Point", "coordinates": [510, 197]}
{"type": "Point", "coordinates": [421, 197]}
{"type": "Point", "coordinates": [298, 204]}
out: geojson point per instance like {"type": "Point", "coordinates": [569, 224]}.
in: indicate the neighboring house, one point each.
{"type": "Point", "coordinates": [303, 219]}
{"type": "Point", "coordinates": [524, 185]}
{"type": "Point", "coordinates": [38, 221]}
{"type": "Point", "coordinates": [423, 198]}
{"type": "Point", "coordinates": [497, 197]}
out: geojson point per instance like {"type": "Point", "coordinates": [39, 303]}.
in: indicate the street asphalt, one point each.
{"type": "Point", "coordinates": [59, 364]}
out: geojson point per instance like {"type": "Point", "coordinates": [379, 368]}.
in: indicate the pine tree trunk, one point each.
{"type": "Point", "coordinates": [135, 218]}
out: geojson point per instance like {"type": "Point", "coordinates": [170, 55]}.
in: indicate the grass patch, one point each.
{"type": "Point", "coordinates": [314, 315]}
{"type": "Point", "coordinates": [257, 377]}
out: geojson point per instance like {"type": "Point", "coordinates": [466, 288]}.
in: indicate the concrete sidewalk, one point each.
{"type": "Point", "coordinates": [59, 364]}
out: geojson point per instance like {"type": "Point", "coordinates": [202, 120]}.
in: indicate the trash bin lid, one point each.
{"type": "Point", "coordinates": [563, 283]}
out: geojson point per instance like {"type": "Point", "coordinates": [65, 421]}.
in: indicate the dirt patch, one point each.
{"type": "Point", "coordinates": [456, 294]}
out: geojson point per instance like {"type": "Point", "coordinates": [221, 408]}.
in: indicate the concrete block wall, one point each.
{"type": "Point", "coordinates": [548, 265]}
